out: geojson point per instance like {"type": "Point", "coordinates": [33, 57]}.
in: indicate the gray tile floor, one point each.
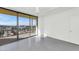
{"type": "Point", "coordinates": [40, 44]}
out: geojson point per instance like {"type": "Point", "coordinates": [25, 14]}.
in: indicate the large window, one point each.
{"type": "Point", "coordinates": [8, 24]}
{"type": "Point", "coordinates": [16, 25]}
{"type": "Point", "coordinates": [24, 27]}
{"type": "Point", "coordinates": [33, 24]}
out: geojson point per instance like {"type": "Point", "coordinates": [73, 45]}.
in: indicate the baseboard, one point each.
{"type": "Point", "coordinates": [62, 40]}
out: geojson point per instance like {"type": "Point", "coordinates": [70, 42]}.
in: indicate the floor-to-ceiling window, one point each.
{"type": "Point", "coordinates": [16, 25]}
{"type": "Point", "coordinates": [27, 25]}
{"type": "Point", "coordinates": [33, 24]}
{"type": "Point", "coordinates": [8, 24]}
{"type": "Point", "coordinates": [24, 26]}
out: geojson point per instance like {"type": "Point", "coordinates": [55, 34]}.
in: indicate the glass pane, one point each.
{"type": "Point", "coordinates": [24, 27]}
{"type": "Point", "coordinates": [8, 26]}
{"type": "Point", "coordinates": [30, 26]}
{"type": "Point", "coordinates": [34, 27]}
{"type": "Point", "coordinates": [33, 24]}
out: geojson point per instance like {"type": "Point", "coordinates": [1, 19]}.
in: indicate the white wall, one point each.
{"type": "Point", "coordinates": [63, 25]}
{"type": "Point", "coordinates": [40, 26]}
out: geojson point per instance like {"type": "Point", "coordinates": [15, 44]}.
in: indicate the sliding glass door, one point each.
{"type": "Point", "coordinates": [16, 25]}
{"type": "Point", "coordinates": [27, 25]}
{"type": "Point", "coordinates": [24, 27]}
{"type": "Point", "coordinates": [33, 25]}
{"type": "Point", "coordinates": [8, 24]}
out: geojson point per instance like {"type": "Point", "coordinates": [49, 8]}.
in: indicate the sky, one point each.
{"type": "Point", "coordinates": [11, 20]}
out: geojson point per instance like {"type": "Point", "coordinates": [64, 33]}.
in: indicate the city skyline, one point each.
{"type": "Point", "coordinates": [6, 20]}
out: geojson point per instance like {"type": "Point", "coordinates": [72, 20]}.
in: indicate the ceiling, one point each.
{"type": "Point", "coordinates": [44, 10]}
{"type": "Point", "coordinates": [32, 10]}
{"type": "Point", "coordinates": [40, 11]}
{"type": "Point", "coordinates": [27, 10]}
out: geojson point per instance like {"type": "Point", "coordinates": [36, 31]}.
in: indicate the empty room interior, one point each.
{"type": "Point", "coordinates": [39, 28]}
